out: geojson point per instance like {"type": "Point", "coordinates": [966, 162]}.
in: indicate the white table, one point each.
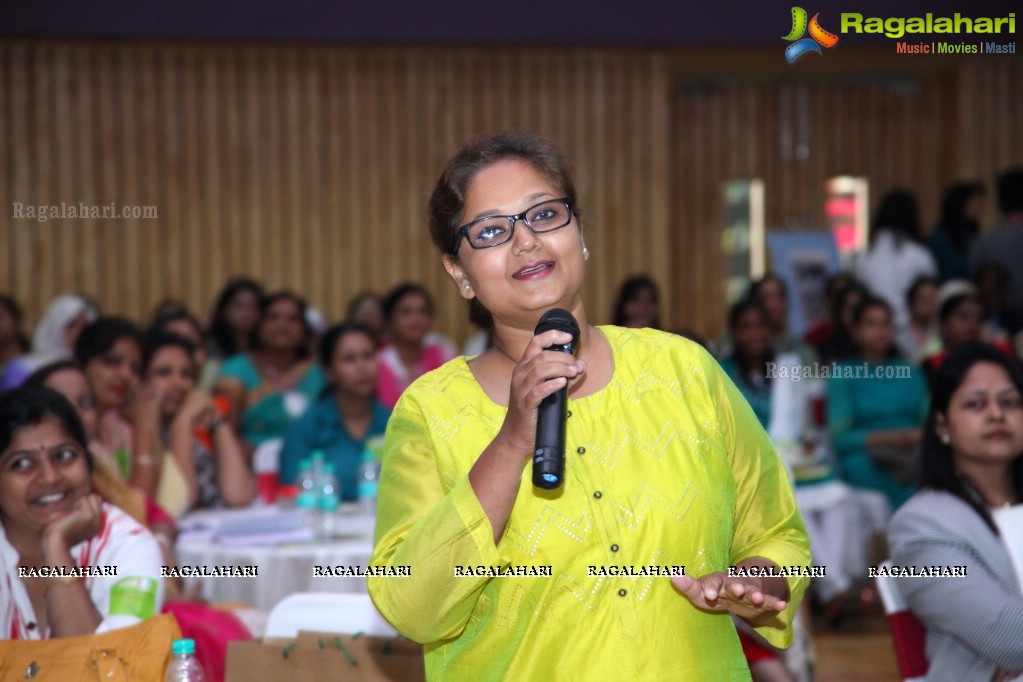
{"type": "Point", "coordinates": [282, 569]}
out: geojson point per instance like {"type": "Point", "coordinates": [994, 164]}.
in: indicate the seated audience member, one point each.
{"type": "Point", "coordinates": [638, 304]}
{"type": "Point", "coordinates": [969, 515]}
{"type": "Point", "coordinates": [1003, 244]}
{"type": "Point", "coordinates": [67, 379]}
{"type": "Point", "coordinates": [993, 287]}
{"type": "Point", "coordinates": [783, 401]}
{"type": "Point", "coordinates": [840, 344]}
{"type": "Point", "coordinates": [825, 328]}
{"type": "Point", "coordinates": [54, 339]}
{"type": "Point", "coordinates": [957, 230]}
{"type": "Point", "coordinates": [411, 350]}
{"type": "Point", "coordinates": [920, 338]}
{"type": "Point", "coordinates": [12, 340]}
{"type": "Point", "coordinates": [109, 351]}
{"type": "Point", "coordinates": [960, 321]}
{"type": "Point", "coordinates": [273, 384]}
{"type": "Point", "coordinates": [185, 325]}
{"type": "Point", "coordinates": [348, 413]}
{"type": "Point", "coordinates": [367, 309]}
{"type": "Point", "coordinates": [876, 405]}
{"type": "Point", "coordinates": [50, 517]}
{"type": "Point", "coordinates": [770, 291]}
{"type": "Point", "coordinates": [199, 460]}
{"type": "Point", "coordinates": [896, 258]}
{"type": "Point", "coordinates": [235, 318]}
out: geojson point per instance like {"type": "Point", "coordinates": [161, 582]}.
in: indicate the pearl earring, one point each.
{"type": "Point", "coordinates": [945, 439]}
{"type": "Point", "coordinates": [586, 252]}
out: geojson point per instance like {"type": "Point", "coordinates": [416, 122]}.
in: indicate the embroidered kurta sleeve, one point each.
{"type": "Point", "coordinates": [429, 526]}
{"type": "Point", "coordinates": [767, 521]}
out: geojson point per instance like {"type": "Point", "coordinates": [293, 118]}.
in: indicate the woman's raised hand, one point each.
{"type": "Point", "coordinates": [83, 522]}
{"type": "Point", "coordinates": [745, 597]}
{"type": "Point", "coordinates": [538, 374]}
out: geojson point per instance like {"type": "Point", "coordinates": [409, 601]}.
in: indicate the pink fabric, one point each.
{"type": "Point", "coordinates": [211, 629]}
{"type": "Point", "coordinates": [393, 377]}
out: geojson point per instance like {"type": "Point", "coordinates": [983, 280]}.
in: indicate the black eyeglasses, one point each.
{"type": "Point", "coordinates": [495, 230]}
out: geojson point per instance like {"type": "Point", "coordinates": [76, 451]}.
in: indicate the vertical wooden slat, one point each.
{"type": "Point", "coordinates": [310, 166]}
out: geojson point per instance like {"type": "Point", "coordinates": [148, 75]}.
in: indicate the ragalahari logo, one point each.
{"type": "Point", "coordinates": [818, 36]}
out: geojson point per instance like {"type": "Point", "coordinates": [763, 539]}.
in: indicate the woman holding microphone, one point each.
{"type": "Point", "coordinates": [666, 466]}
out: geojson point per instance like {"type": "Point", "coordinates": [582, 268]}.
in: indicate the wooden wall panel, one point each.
{"type": "Point", "coordinates": [309, 167]}
{"type": "Point", "coordinates": [919, 131]}
{"type": "Point", "coordinates": [306, 167]}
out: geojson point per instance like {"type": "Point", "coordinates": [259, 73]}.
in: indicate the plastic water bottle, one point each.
{"type": "Point", "coordinates": [369, 474]}
{"type": "Point", "coordinates": [307, 497]}
{"type": "Point", "coordinates": [184, 667]}
{"type": "Point", "coordinates": [329, 502]}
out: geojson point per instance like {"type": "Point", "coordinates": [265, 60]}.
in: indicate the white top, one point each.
{"type": "Point", "coordinates": [1010, 526]}
{"type": "Point", "coordinates": [889, 268]}
{"type": "Point", "coordinates": [133, 594]}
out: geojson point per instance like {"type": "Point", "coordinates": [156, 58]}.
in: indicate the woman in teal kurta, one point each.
{"type": "Point", "coordinates": [875, 400]}
{"type": "Point", "coordinates": [274, 384]}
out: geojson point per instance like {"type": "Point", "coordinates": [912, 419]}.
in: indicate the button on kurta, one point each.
{"type": "Point", "coordinates": [598, 495]}
{"type": "Point", "coordinates": [581, 450]}
{"type": "Point", "coordinates": [622, 592]}
{"type": "Point", "coordinates": [614, 547]}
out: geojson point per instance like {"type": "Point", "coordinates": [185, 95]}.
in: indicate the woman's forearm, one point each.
{"type": "Point", "coordinates": [69, 608]}
{"type": "Point", "coordinates": [235, 480]}
{"type": "Point", "coordinates": [146, 460]}
{"type": "Point", "coordinates": [495, 479]}
{"type": "Point", "coordinates": [182, 449]}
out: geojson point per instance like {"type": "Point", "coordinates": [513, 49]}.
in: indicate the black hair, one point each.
{"type": "Point", "coordinates": [868, 302]}
{"type": "Point", "coordinates": [162, 321]}
{"type": "Point", "coordinates": [15, 311]}
{"type": "Point", "coordinates": [960, 227]}
{"type": "Point", "coordinates": [950, 306]}
{"type": "Point", "coordinates": [754, 287]}
{"type": "Point", "coordinates": [399, 292]}
{"type": "Point", "coordinates": [1010, 190]}
{"type": "Point", "coordinates": [268, 302]}
{"type": "Point", "coordinates": [157, 341]}
{"type": "Point", "coordinates": [100, 336]}
{"type": "Point", "coordinates": [328, 342]}
{"type": "Point", "coordinates": [739, 309]}
{"type": "Point", "coordinates": [39, 377]}
{"type": "Point", "coordinates": [220, 331]}
{"type": "Point", "coordinates": [629, 289]}
{"type": "Point", "coordinates": [918, 283]}
{"type": "Point", "coordinates": [899, 215]}
{"type": "Point", "coordinates": [32, 405]}
{"type": "Point", "coordinates": [937, 468]}
{"type": "Point", "coordinates": [13, 307]}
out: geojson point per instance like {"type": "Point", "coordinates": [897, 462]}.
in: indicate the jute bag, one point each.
{"type": "Point", "coordinates": [313, 657]}
{"type": "Point", "coordinates": [139, 653]}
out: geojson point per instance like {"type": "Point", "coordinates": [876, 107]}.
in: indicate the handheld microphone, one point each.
{"type": "Point", "coordinates": [549, 453]}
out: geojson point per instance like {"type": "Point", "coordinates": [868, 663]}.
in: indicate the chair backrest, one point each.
{"type": "Point", "coordinates": [908, 633]}
{"type": "Point", "coordinates": [326, 612]}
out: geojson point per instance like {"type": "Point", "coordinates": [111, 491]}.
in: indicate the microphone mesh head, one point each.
{"type": "Point", "coordinates": [560, 319]}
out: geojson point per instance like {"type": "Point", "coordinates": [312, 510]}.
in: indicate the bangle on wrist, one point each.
{"type": "Point", "coordinates": [61, 580]}
{"type": "Point", "coordinates": [144, 460]}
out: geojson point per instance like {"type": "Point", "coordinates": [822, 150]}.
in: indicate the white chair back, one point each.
{"type": "Point", "coordinates": [327, 612]}
{"type": "Point", "coordinates": [907, 631]}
